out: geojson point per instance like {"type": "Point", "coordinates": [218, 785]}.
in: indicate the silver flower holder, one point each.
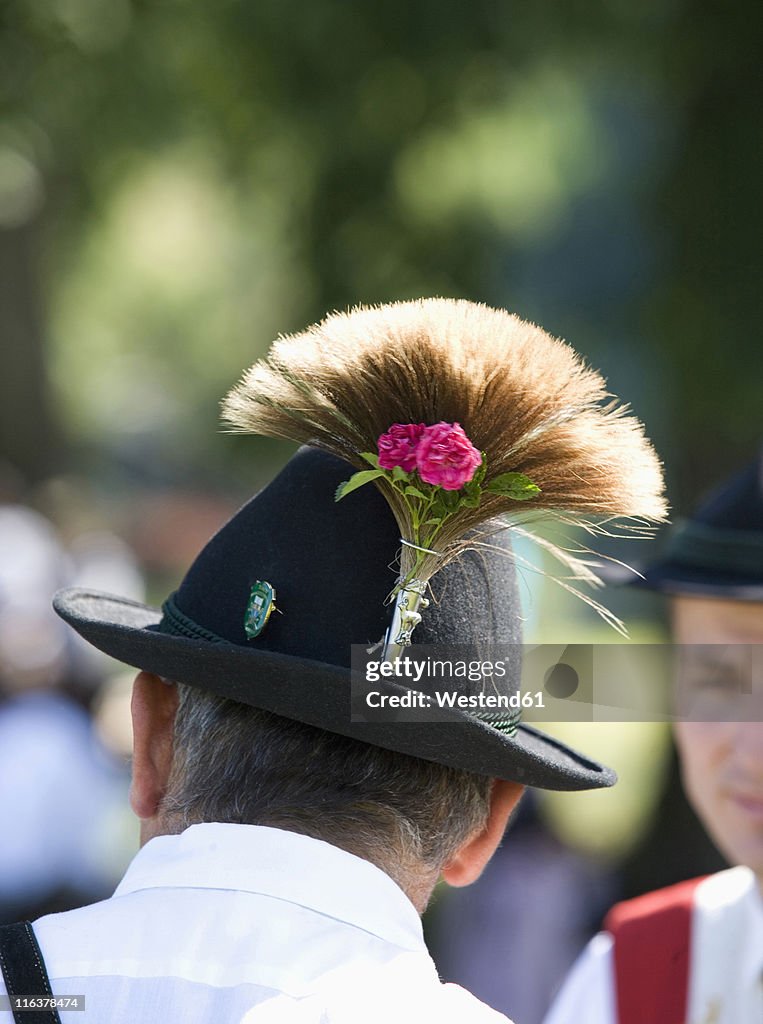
{"type": "Point", "coordinates": [406, 615]}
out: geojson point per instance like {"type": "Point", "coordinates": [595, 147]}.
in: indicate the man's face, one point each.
{"type": "Point", "coordinates": [722, 761]}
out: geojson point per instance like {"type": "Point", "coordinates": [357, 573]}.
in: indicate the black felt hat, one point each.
{"type": "Point", "coordinates": [718, 551]}
{"type": "Point", "coordinates": [331, 566]}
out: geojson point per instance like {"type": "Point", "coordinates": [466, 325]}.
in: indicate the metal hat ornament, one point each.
{"type": "Point", "coordinates": [467, 419]}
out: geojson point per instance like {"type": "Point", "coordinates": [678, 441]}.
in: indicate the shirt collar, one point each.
{"type": "Point", "coordinates": [283, 865]}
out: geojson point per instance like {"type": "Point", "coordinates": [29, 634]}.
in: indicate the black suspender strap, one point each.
{"type": "Point", "coordinates": [24, 972]}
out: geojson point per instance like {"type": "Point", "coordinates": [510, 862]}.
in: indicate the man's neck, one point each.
{"type": "Point", "coordinates": [417, 883]}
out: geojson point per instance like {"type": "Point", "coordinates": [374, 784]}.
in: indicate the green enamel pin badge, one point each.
{"type": "Point", "coordinates": [261, 603]}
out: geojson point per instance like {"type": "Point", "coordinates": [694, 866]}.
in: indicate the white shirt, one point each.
{"type": "Point", "coordinates": [240, 923]}
{"type": "Point", "coordinates": [726, 961]}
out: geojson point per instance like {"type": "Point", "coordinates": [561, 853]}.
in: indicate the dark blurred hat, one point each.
{"type": "Point", "coordinates": [718, 551]}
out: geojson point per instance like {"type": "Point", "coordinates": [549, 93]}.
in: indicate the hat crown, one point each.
{"type": "Point", "coordinates": [718, 550]}
{"type": "Point", "coordinates": [332, 566]}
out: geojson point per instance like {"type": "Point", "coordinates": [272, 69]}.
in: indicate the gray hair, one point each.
{"type": "Point", "coordinates": [235, 763]}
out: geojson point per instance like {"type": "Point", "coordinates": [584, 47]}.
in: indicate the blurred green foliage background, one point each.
{"type": "Point", "coordinates": [180, 181]}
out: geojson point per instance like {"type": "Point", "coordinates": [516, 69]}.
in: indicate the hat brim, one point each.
{"type": "Point", "coordinates": [318, 694]}
{"type": "Point", "coordinates": [675, 578]}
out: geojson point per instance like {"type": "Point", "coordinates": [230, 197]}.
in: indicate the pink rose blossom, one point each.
{"type": "Point", "coordinates": [446, 457]}
{"type": "Point", "coordinates": [398, 446]}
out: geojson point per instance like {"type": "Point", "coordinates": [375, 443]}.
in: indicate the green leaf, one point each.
{"type": "Point", "coordinates": [365, 476]}
{"type": "Point", "coordinates": [371, 457]}
{"type": "Point", "coordinates": [470, 495]}
{"type": "Point", "coordinates": [398, 473]}
{"type": "Point", "coordinates": [513, 485]}
{"type": "Point", "coordinates": [432, 522]}
{"type": "Point", "coordinates": [479, 476]}
{"type": "Point", "coordinates": [440, 507]}
{"type": "Point", "coordinates": [415, 492]}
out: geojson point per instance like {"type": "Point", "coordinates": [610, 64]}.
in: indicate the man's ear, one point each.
{"type": "Point", "coordinates": [154, 703]}
{"type": "Point", "coordinates": [468, 863]}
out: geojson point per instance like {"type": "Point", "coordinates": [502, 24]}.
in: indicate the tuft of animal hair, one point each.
{"type": "Point", "coordinates": [526, 399]}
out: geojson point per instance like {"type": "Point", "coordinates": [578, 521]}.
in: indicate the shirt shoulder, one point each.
{"type": "Point", "coordinates": [460, 1005]}
{"type": "Point", "coordinates": [652, 928]}
{"type": "Point", "coordinates": [653, 906]}
{"type": "Point", "coordinates": [724, 888]}
{"type": "Point", "coordinates": [405, 990]}
{"type": "Point", "coordinates": [587, 996]}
